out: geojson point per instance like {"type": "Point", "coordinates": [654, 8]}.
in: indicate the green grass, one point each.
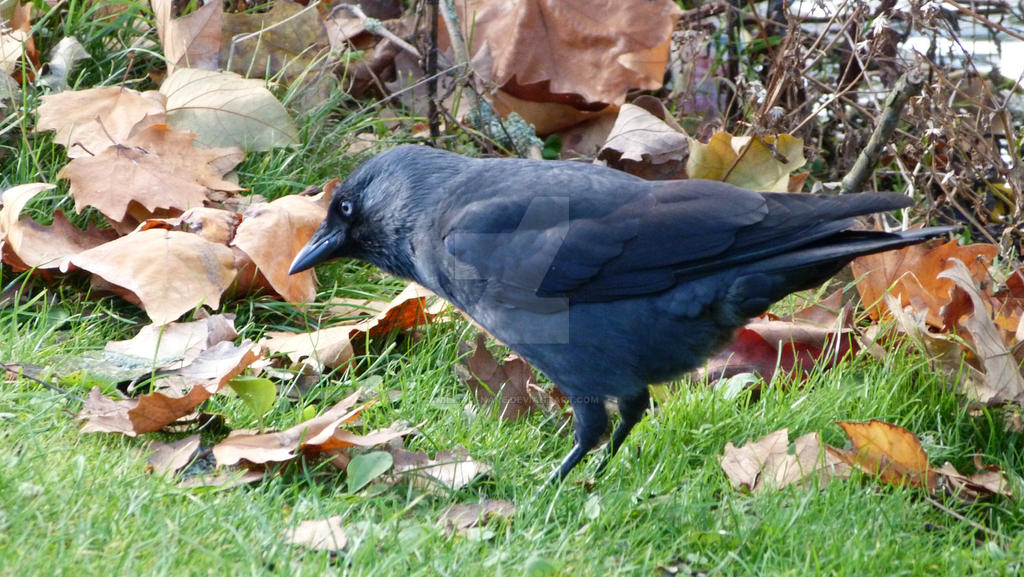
{"type": "Point", "coordinates": [84, 505]}
{"type": "Point", "coordinates": [73, 504]}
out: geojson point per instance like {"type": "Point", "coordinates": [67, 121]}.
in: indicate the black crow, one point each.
{"type": "Point", "coordinates": [603, 281]}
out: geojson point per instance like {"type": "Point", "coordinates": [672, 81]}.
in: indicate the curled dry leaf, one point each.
{"type": "Point", "coordinates": [316, 433]}
{"type": "Point", "coordinates": [767, 463]}
{"type": "Point", "coordinates": [643, 144]}
{"type": "Point", "coordinates": [912, 274]}
{"type": "Point", "coordinates": [323, 535]}
{"type": "Point", "coordinates": [170, 272]}
{"type": "Point", "coordinates": [506, 383]}
{"type": "Point", "coordinates": [271, 234]}
{"type": "Point", "coordinates": [889, 452]}
{"type": "Point", "coordinates": [333, 346]}
{"type": "Point", "coordinates": [169, 458]}
{"type": "Point", "coordinates": [89, 121]}
{"type": "Point", "coordinates": [28, 244]}
{"type": "Point", "coordinates": [156, 410]}
{"type": "Point", "coordinates": [551, 51]}
{"type": "Point", "coordinates": [191, 41]}
{"type": "Point", "coordinates": [105, 415]}
{"type": "Point", "coordinates": [1002, 380]}
{"type": "Point", "coordinates": [450, 469]}
{"type": "Point", "coordinates": [459, 518]}
{"type": "Point", "coordinates": [944, 353]}
{"type": "Point", "coordinates": [376, 438]}
{"type": "Point", "coordinates": [988, 482]}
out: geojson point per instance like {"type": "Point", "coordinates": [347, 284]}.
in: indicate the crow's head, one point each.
{"type": "Point", "coordinates": [372, 215]}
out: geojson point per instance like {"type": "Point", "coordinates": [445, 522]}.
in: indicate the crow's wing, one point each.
{"type": "Point", "coordinates": [595, 236]}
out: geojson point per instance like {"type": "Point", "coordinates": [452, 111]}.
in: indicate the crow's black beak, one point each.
{"type": "Point", "coordinates": [319, 249]}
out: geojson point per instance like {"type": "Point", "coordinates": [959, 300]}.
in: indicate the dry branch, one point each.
{"type": "Point", "coordinates": [907, 86]}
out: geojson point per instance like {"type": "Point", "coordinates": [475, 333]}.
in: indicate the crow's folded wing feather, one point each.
{"type": "Point", "coordinates": [591, 240]}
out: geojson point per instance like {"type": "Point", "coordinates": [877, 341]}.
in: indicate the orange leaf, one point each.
{"type": "Point", "coordinates": [890, 452]}
{"type": "Point", "coordinates": [913, 272]}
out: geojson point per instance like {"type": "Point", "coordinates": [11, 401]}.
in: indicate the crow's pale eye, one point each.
{"type": "Point", "coordinates": [346, 208]}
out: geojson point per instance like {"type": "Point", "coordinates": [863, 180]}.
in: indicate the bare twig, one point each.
{"type": "Point", "coordinates": [433, 118]}
{"type": "Point", "coordinates": [978, 526]}
{"type": "Point", "coordinates": [377, 28]}
{"type": "Point", "coordinates": [907, 86]}
{"type": "Point", "coordinates": [985, 21]}
{"type": "Point", "coordinates": [459, 50]}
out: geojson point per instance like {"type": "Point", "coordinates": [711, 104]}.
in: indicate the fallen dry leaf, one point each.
{"type": "Point", "coordinates": [640, 143]}
{"type": "Point", "coordinates": [541, 49]}
{"type": "Point", "coordinates": [333, 346]}
{"type": "Point", "coordinates": [89, 121]}
{"type": "Point", "coordinates": [344, 307]}
{"type": "Point", "coordinates": [207, 375]}
{"type": "Point", "coordinates": [271, 234]}
{"type": "Point", "coordinates": [765, 346]}
{"type": "Point", "coordinates": [28, 244]}
{"type": "Point", "coordinates": [158, 170]}
{"type": "Point", "coordinates": [889, 452]}
{"type": "Point", "coordinates": [768, 464]}
{"type": "Point", "coordinates": [506, 383]}
{"type": "Point", "coordinates": [19, 57]}
{"type": "Point", "coordinates": [322, 535]}
{"type": "Point", "coordinates": [913, 275]}
{"type": "Point", "coordinates": [343, 439]}
{"type": "Point", "coordinates": [169, 272]}
{"type": "Point", "coordinates": [174, 345]}
{"type": "Point", "coordinates": [983, 485]}
{"type": "Point", "coordinates": [763, 164]}
{"type": "Point", "coordinates": [1002, 380]}
{"type": "Point", "coordinates": [158, 409]}
{"type": "Point", "coordinates": [214, 224]}
{"type": "Point", "coordinates": [944, 352]}
{"type": "Point", "coordinates": [221, 362]}
{"type": "Point", "coordinates": [224, 109]}
{"type": "Point", "coordinates": [105, 415]}
{"type": "Point", "coordinates": [181, 389]}
{"type": "Point", "coordinates": [191, 41]}
{"type": "Point", "coordinates": [286, 41]}
{"type": "Point", "coordinates": [459, 518]}
{"type": "Point", "coordinates": [317, 432]}
{"type": "Point", "coordinates": [169, 458]}
{"type": "Point", "coordinates": [452, 470]}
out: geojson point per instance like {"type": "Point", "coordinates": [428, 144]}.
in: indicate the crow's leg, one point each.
{"type": "Point", "coordinates": [631, 411]}
{"type": "Point", "coordinates": [590, 419]}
